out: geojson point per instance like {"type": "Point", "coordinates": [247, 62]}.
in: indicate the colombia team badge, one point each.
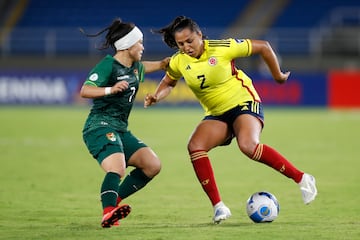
{"type": "Point", "coordinates": [212, 61]}
{"type": "Point", "coordinates": [111, 136]}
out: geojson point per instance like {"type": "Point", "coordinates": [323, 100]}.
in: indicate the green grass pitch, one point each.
{"type": "Point", "coordinates": [50, 184]}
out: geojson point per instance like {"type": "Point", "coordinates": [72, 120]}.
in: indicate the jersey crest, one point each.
{"type": "Point", "coordinates": [212, 61]}
{"type": "Point", "coordinates": [111, 136]}
{"type": "Point", "coordinates": [136, 73]}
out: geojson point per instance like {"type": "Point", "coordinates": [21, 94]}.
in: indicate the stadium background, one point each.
{"type": "Point", "coordinates": [44, 58]}
{"type": "Point", "coordinates": [50, 184]}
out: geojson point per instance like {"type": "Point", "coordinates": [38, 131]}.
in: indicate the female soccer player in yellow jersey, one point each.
{"type": "Point", "coordinates": [232, 106]}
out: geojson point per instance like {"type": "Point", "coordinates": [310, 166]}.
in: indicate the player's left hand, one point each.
{"type": "Point", "coordinates": [119, 87]}
{"type": "Point", "coordinates": [165, 63]}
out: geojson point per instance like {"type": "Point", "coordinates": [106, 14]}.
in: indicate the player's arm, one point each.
{"type": "Point", "coordinates": [267, 53]}
{"type": "Point", "coordinates": [152, 66]}
{"type": "Point", "coordinates": [93, 91]}
{"type": "Point", "coordinates": [162, 91]}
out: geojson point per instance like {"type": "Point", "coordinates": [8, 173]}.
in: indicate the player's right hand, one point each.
{"type": "Point", "coordinates": [150, 100]}
{"type": "Point", "coordinates": [283, 77]}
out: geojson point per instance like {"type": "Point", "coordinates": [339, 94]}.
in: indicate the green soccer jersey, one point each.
{"type": "Point", "coordinates": [113, 110]}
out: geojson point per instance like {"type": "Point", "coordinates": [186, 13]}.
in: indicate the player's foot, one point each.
{"type": "Point", "coordinates": [111, 218]}
{"type": "Point", "coordinates": [308, 188]}
{"type": "Point", "coordinates": [221, 213]}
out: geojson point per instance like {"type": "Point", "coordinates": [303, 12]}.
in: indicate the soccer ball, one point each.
{"type": "Point", "coordinates": [262, 207]}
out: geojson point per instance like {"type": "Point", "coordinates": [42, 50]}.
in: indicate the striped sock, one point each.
{"type": "Point", "coordinates": [205, 174]}
{"type": "Point", "coordinates": [274, 159]}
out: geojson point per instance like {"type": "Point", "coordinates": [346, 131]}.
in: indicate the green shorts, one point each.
{"type": "Point", "coordinates": [104, 141]}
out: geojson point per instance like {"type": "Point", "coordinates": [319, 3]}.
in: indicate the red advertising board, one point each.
{"type": "Point", "coordinates": [344, 89]}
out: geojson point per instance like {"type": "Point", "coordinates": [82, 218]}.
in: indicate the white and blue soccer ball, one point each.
{"type": "Point", "coordinates": [262, 207]}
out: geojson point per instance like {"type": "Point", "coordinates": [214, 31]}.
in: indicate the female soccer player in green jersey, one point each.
{"type": "Point", "coordinates": [231, 103]}
{"type": "Point", "coordinates": [113, 84]}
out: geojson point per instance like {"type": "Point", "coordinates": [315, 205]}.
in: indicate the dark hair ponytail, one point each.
{"type": "Point", "coordinates": [115, 31]}
{"type": "Point", "coordinates": [178, 24]}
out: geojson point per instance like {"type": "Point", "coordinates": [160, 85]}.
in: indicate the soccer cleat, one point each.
{"type": "Point", "coordinates": [308, 188]}
{"type": "Point", "coordinates": [222, 213]}
{"type": "Point", "coordinates": [111, 218]}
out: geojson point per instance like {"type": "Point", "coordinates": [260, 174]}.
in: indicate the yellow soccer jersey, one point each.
{"type": "Point", "coordinates": [213, 78]}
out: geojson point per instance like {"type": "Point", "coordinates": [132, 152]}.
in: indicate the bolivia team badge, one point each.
{"type": "Point", "coordinates": [111, 136]}
{"type": "Point", "coordinates": [136, 72]}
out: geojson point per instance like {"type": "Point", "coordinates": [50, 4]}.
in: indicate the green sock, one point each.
{"type": "Point", "coordinates": [135, 181]}
{"type": "Point", "coordinates": [109, 189]}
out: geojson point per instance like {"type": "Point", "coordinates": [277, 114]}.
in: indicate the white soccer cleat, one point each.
{"type": "Point", "coordinates": [308, 188]}
{"type": "Point", "coordinates": [221, 213]}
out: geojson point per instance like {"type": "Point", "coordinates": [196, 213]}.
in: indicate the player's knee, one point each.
{"type": "Point", "coordinates": [156, 167]}
{"type": "Point", "coordinates": [247, 147]}
{"type": "Point", "coordinates": [191, 147]}
{"type": "Point", "coordinates": [194, 145]}
{"type": "Point", "coordinates": [114, 163]}
{"type": "Point", "coordinates": [153, 167]}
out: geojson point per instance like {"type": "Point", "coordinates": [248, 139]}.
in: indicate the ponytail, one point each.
{"type": "Point", "coordinates": [178, 24]}
{"type": "Point", "coordinates": [115, 31]}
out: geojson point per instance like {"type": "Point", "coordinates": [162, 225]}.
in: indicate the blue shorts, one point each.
{"type": "Point", "coordinates": [253, 108]}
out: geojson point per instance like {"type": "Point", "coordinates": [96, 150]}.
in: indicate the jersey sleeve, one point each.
{"type": "Point", "coordinates": [99, 75]}
{"type": "Point", "coordinates": [239, 48]}
{"type": "Point", "coordinates": [173, 69]}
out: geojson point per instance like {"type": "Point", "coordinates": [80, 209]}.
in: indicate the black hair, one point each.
{"type": "Point", "coordinates": [115, 31]}
{"type": "Point", "coordinates": [178, 24]}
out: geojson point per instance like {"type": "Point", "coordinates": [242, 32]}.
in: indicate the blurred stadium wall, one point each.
{"type": "Point", "coordinates": [44, 58]}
